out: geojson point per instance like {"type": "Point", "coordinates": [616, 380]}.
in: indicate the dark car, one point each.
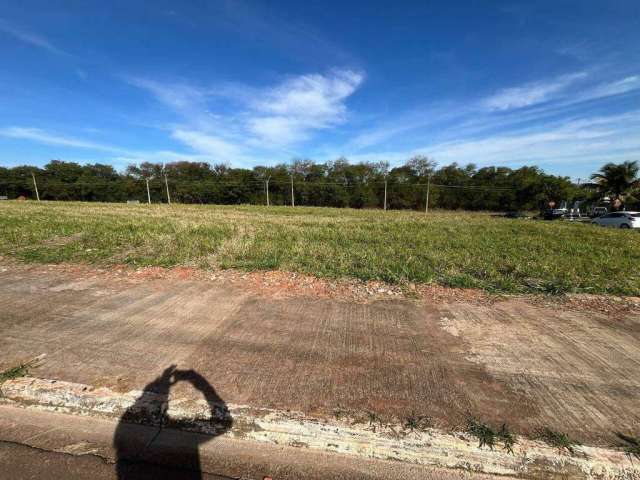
{"type": "Point", "coordinates": [554, 213]}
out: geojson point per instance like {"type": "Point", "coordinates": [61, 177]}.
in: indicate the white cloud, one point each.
{"type": "Point", "coordinates": [287, 113]}
{"type": "Point", "coordinates": [261, 118]}
{"type": "Point", "coordinates": [207, 144]}
{"type": "Point", "coordinates": [208, 149]}
{"type": "Point", "coordinates": [176, 95]}
{"type": "Point", "coordinates": [30, 38]}
{"type": "Point", "coordinates": [41, 136]}
{"type": "Point", "coordinates": [588, 137]}
{"type": "Point", "coordinates": [315, 97]}
{"type": "Point", "coordinates": [276, 130]}
{"type": "Point", "coordinates": [609, 89]}
{"type": "Point", "coordinates": [576, 142]}
{"type": "Point", "coordinates": [531, 93]}
{"type": "Point", "coordinates": [456, 120]}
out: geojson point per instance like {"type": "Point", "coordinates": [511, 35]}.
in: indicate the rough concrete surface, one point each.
{"type": "Point", "coordinates": [513, 361]}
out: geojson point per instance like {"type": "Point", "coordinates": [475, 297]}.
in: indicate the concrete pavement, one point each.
{"type": "Point", "coordinates": [531, 366]}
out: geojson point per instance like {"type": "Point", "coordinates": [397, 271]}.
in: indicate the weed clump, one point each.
{"type": "Point", "coordinates": [483, 432]}
{"type": "Point", "coordinates": [630, 445]}
{"type": "Point", "coordinates": [559, 440]}
{"type": "Point", "coordinates": [487, 436]}
{"type": "Point", "coordinates": [507, 438]}
{"type": "Point", "coordinates": [417, 422]}
{"type": "Point", "coordinates": [18, 371]}
{"type": "Point", "coordinates": [21, 370]}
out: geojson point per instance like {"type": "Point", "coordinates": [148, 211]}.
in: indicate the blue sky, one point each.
{"type": "Point", "coordinates": [554, 84]}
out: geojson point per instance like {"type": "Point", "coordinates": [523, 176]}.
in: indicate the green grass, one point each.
{"type": "Point", "coordinates": [484, 433]}
{"type": "Point", "coordinates": [14, 372]}
{"type": "Point", "coordinates": [488, 437]}
{"type": "Point", "coordinates": [630, 445]}
{"type": "Point", "coordinates": [449, 248]}
{"type": "Point", "coordinates": [559, 440]}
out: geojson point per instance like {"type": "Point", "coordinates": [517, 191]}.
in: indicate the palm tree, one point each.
{"type": "Point", "coordinates": [619, 181]}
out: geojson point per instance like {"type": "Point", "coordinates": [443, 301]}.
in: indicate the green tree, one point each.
{"type": "Point", "coordinates": [421, 165]}
{"type": "Point", "coordinates": [619, 181]}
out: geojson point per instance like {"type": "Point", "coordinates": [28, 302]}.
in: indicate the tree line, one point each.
{"type": "Point", "coordinates": [335, 183]}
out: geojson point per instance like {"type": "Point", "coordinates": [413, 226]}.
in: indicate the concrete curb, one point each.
{"type": "Point", "coordinates": [431, 447]}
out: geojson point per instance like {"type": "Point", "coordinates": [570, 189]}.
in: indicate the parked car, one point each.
{"type": "Point", "coordinates": [554, 213]}
{"type": "Point", "coordinates": [599, 211]}
{"type": "Point", "coordinates": [619, 220]}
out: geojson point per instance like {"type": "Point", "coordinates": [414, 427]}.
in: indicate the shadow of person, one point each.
{"type": "Point", "coordinates": [144, 453]}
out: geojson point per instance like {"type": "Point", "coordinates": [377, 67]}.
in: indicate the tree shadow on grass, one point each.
{"type": "Point", "coordinates": [166, 451]}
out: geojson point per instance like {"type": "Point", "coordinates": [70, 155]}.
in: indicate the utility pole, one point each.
{"type": "Point", "coordinates": [148, 193]}
{"type": "Point", "coordinates": [385, 193]}
{"type": "Point", "coordinates": [166, 184]}
{"type": "Point", "coordinates": [293, 201]}
{"type": "Point", "coordinates": [267, 188]}
{"type": "Point", "coordinates": [426, 206]}
{"type": "Point", "coordinates": [35, 185]}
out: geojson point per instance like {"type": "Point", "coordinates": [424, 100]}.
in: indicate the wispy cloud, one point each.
{"type": "Point", "coordinates": [557, 100]}
{"type": "Point", "coordinates": [121, 155]}
{"type": "Point", "coordinates": [30, 38]}
{"type": "Point", "coordinates": [609, 89]}
{"type": "Point", "coordinates": [565, 122]}
{"type": "Point", "coordinates": [229, 122]}
{"type": "Point", "coordinates": [176, 95]}
{"type": "Point", "coordinates": [586, 140]}
{"type": "Point", "coordinates": [235, 119]}
{"type": "Point", "coordinates": [49, 138]}
{"type": "Point", "coordinates": [431, 116]}
{"type": "Point", "coordinates": [531, 93]}
{"type": "Point", "coordinates": [208, 144]}
{"type": "Point", "coordinates": [571, 143]}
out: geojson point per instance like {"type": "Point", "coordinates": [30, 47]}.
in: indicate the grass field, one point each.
{"type": "Point", "coordinates": [449, 248]}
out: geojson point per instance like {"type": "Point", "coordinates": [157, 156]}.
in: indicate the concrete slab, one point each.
{"type": "Point", "coordinates": [512, 361]}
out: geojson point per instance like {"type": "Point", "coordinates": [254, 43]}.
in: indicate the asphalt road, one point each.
{"type": "Point", "coordinates": [46, 445]}
{"type": "Point", "coordinates": [21, 462]}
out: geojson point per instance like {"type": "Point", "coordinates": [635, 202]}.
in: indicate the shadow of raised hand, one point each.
{"type": "Point", "coordinates": [177, 451]}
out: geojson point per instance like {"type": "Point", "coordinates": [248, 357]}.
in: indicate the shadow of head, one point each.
{"type": "Point", "coordinates": [176, 429]}
{"type": "Point", "coordinates": [153, 406]}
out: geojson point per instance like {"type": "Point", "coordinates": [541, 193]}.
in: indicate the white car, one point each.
{"type": "Point", "coordinates": [619, 220]}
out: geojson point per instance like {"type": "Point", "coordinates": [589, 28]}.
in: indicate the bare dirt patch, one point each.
{"type": "Point", "coordinates": [609, 305]}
